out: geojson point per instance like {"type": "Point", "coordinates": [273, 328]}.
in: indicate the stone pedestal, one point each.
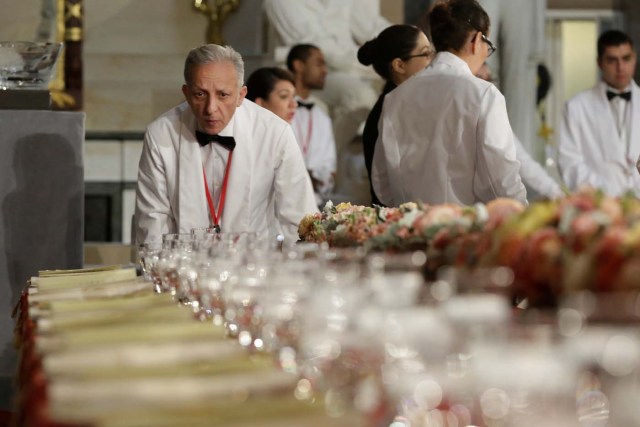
{"type": "Point", "coordinates": [41, 209]}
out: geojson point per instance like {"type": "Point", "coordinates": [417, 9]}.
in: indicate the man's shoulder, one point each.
{"type": "Point", "coordinates": [319, 103]}
{"type": "Point", "coordinates": [586, 97]}
{"type": "Point", "coordinates": [169, 117]}
{"type": "Point", "coordinates": [251, 119]}
{"type": "Point", "coordinates": [321, 114]}
{"type": "Point", "coordinates": [249, 113]}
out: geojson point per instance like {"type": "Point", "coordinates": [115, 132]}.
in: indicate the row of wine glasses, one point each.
{"type": "Point", "coordinates": [365, 331]}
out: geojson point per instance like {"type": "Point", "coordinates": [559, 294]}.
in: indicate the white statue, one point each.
{"type": "Point", "coordinates": [338, 28]}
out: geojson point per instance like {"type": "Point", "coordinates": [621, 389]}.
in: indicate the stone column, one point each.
{"type": "Point", "coordinates": [631, 12]}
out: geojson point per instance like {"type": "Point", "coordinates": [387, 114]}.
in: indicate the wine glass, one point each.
{"type": "Point", "coordinates": [149, 254]}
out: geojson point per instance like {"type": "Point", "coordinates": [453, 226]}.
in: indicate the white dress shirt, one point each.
{"type": "Point", "coordinates": [445, 138]}
{"type": "Point", "coordinates": [621, 113]}
{"type": "Point", "coordinates": [214, 162]}
{"type": "Point", "coordinates": [314, 131]}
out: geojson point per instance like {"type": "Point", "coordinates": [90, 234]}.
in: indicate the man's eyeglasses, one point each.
{"type": "Point", "coordinates": [492, 47]}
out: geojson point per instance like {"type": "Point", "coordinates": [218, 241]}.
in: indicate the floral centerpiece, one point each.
{"type": "Point", "coordinates": [586, 240]}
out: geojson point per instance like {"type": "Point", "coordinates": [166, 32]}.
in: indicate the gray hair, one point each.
{"type": "Point", "coordinates": [209, 53]}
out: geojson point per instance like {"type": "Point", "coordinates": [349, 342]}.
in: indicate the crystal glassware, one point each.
{"type": "Point", "coordinates": [27, 65]}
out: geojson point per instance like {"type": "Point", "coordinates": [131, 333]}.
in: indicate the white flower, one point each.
{"type": "Point", "coordinates": [328, 207]}
{"type": "Point", "coordinates": [482, 214]}
{"type": "Point", "coordinates": [409, 218]}
{"type": "Point", "coordinates": [409, 206]}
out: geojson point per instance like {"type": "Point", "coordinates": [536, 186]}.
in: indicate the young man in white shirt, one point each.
{"type": "Point", "coordinates": [599, 140]}
{"type": "Point", "coordinates": [312, 125]}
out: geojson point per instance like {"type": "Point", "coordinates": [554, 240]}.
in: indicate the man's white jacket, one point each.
{"type": "Point", "coordinates": [269, 189]}
{"type": "Point", "coordinates": [590, 150]}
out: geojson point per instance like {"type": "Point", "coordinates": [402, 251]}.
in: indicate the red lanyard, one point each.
{"type": "Point", "coordinates": [217, 216]}
{"type": "Point", "coordinates": [305, 143]}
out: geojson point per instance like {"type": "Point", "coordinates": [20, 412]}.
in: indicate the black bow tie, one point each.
{"type": "Point", "coordinates": [624, 95]}
{"type": "Point", "coordinates": [204, 139]}
{"type": "Point", "coordinates": [307, 105]}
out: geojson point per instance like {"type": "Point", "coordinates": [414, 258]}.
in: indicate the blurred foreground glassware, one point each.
{"type": "Point", "coordinates": [306, 250]}
{"type": "Point", "coordinates": [525, 384]}
{"type": "Point", "coordinates": [283, 305]}
{"type": "Point", "coordinates": [173, 240]}
{"type": "Point", "coordinates": [148, 254]}
{"type": "Point", "coordinates": [462, 280]}
{"type": "Point", "coordinates": [174, 247]}
{"type": "Point", "coordinates": [202, 231]}
{"type": "Point", "coordinates": [396, 279]}
{"type": "Point", "coordinates": [607, 308]}
{"type": "Point", "coordinates": [214, 270]}
{"type": "Point", "coordinates": [342, 266]}
{"type": "Point", "coordinates": [340, 349]}
{"type": "Point", "coordinates": [241, 294]}
{"type": "Point", "coordinates": [203, 237]}
{"type": "Point", "coordinates": [608, 359]}
{"type": "Point", "coordinates": [417, 341]}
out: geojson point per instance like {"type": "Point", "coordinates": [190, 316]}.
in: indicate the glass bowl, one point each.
{"type": "Point", "coordinates": [27, 65]}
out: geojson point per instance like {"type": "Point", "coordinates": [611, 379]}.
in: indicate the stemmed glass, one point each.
{"type": "Point", "coordinates": [282, 307]}
{"type": "Point", "coordinates": [214, 264]}
{"type": "Point", "coordinates": [203, 234]}
{"type": "Point", "coordinates": [339, 347]}
{"type": "Point", "coordinates": [240, 294]}
{"type": "Point", "coordinates": [174, 246]}
{"type": "Point", "coordinates": [148, 255]}
{"type": "Point", "coordinates": [396, 279]}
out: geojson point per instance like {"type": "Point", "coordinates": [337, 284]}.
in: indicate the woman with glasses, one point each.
{"type": "Point", "coordinates": [396, 54]}
{"type": "Point", "coordinates": [444, 134]}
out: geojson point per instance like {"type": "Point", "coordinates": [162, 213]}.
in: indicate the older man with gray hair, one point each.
{"type": "Point", "coordinates": [218, 160]}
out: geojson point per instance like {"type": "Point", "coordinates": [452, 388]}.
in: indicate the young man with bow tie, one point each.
{"type": "Point", "coordinates": [312, 125]}
{"type": "Point", "coordinates": [599, 140]}
{"type": "Point", "coordinates": [218, 160]}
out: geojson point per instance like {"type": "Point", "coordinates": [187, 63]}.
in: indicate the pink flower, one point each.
{"type": "Point", "coordinates": [437, 215]}
{"type": "Point", "coordinates": [403, 233]}
{"type": "Point", "coordinates": [500, 209]}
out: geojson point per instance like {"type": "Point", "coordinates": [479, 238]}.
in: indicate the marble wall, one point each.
{"type": "Point", "coordinates": [134, 51]}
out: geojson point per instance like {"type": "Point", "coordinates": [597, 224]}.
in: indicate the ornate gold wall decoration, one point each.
{"type": "Point", "coordinates": [66, 89]}
{"type": "Point", "coordinates": [217, 12]}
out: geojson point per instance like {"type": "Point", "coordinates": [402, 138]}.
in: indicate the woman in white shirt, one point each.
{"type": "Point", "coordinates": [273, 88]}
{"type": "Point", "coordinates": [396, 54]}
{"type": "Point", "coordinates": [444, 134]}
{"type": "Point", "coordinates": [534, 176]}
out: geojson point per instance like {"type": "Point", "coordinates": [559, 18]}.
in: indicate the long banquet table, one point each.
{"type": "Point", "coordinates": [100, 348]}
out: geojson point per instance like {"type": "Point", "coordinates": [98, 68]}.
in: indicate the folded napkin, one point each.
{"type": "Point", "coordinates": [272, 411]}
{"type": "Point", "coordinates": [43, 273]}
{"type": "Point", "coordinates": [104, 396]}
{"type": "Point", "coordinates": [80, 278]}
{"type": "Point", "coordinates": [184, 330]}
{"type": "Point", "coordinates": [149, 359]}
{"type": "Point", "coordinates": [103, 290]}
{"type": "Point", "coordinates": [75, 321]}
